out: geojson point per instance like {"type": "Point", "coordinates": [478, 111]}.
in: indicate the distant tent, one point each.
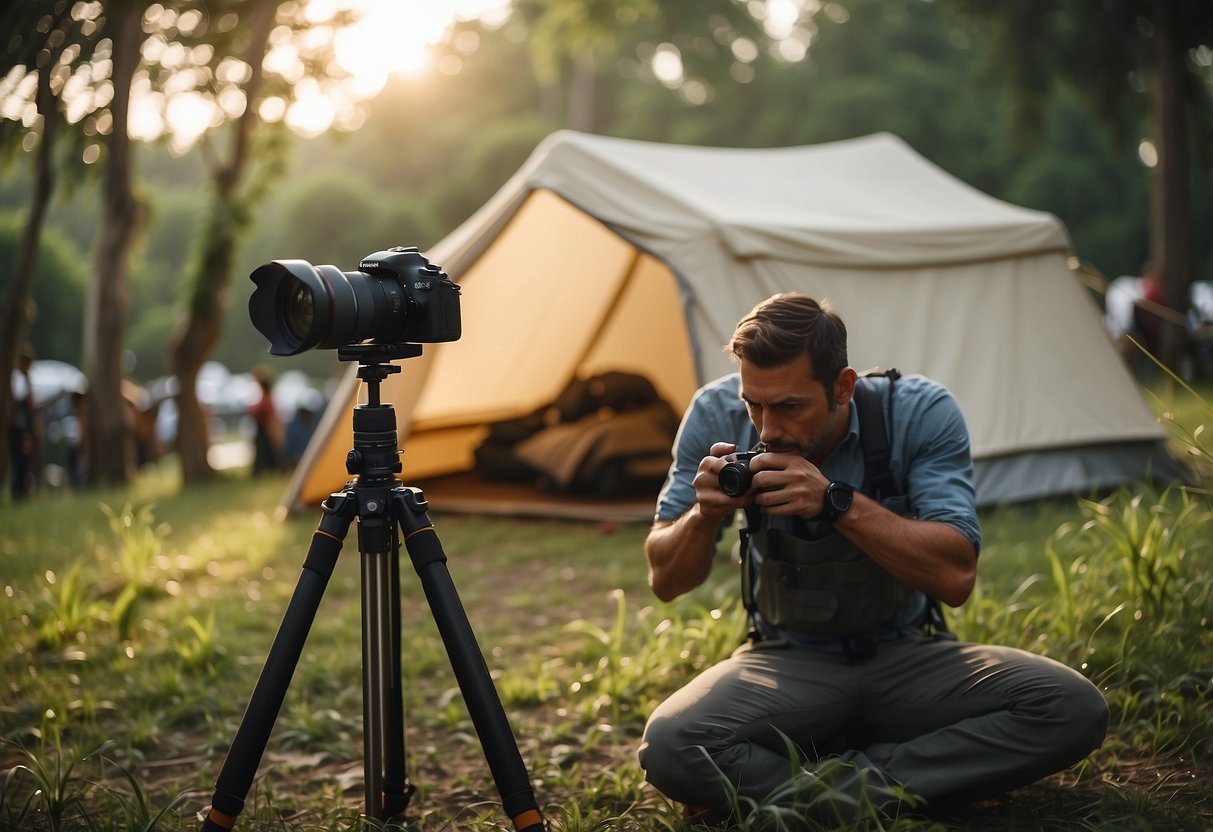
{"type": "Point", "coordinates": [605, 254]}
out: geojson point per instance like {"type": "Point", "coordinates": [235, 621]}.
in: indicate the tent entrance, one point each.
{"type": "Point", "coordinates": [557, 296]}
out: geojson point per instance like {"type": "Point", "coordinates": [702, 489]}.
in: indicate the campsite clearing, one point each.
{"type": "Point", "coordinates": [579, 650]}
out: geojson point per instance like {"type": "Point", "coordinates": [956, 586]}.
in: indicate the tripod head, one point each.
{"type": "Point", "coordinates": [373, 366]}
{"type": "Point", "coordinates": [375, 457]}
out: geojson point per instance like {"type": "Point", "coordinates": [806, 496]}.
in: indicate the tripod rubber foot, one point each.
{"type": "Point", "coordinates": [217, 821]}
{"type": "Point", "coordinates": [528, 821]}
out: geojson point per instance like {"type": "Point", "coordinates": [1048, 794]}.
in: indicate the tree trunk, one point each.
{"type": "Point", "coordinates": [108, 437]}
{"type": "Point", "coordinates": [196, 336]}
{"type": "Point", "coordinates": [16, 317]}
{"type": "Point", "coordinates": [193, 341]}
{"type": "Point", "coordinates": [1171, 200]}
{"type": "Point", "coordinates": [190, 347]}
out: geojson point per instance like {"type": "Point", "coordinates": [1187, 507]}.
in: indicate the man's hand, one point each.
{"type": "Point", "coordinates": [787, 484]}
{"type": "Point", "coordinates": [713, 502]}
{"type": "Point", "coordinates": [680, 551]}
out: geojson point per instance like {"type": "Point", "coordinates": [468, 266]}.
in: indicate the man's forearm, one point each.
{"type": "Point", "coordinates": [680, 553]}
{"type": "Point", "coordinates": [927, 555]}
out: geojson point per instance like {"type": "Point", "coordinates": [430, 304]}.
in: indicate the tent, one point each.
{"type": "Point", "coordinates": [610, 254]}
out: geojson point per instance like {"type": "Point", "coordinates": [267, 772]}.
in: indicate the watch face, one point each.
{"type": "Point", "coordinates": [835, 501]}
{"type": "Point", "coordinates": [840, 498]}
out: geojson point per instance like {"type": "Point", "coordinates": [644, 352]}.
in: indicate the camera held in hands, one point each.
{"type": "Point", "coordinates": [395, 297]}
{"type": "Point", "coordinates": [735, 477]}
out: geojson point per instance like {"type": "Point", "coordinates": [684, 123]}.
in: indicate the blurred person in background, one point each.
{"type": "Point", "coordinates": [23, 432]}
{"type": "Point", "coordinates": [299, 432]}
{"type": "Point", "coordinates": [268, 436]}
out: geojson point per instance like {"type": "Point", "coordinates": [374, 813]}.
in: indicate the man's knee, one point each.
{"type": "Point", "coordinates": [1074, 712]}
{"type": "Point", "coordinates": [1086, 713]}
{"type": "Point", "coordinates": [663, 756]}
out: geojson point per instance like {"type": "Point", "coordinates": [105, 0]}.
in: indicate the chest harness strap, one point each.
{"type": "Point", "coordinates": [879, 484]}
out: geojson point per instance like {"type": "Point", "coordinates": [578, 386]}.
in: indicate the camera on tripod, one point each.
{"type": "Point", "coordinates": [385, 311]}
{"type": "Point", "coordinates": [396, 296]}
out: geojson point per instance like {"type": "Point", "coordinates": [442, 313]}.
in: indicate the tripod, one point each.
{"type": "Point", "coordinates": [380, 504]}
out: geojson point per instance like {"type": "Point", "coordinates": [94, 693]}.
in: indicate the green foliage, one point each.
{"type": "Point", "coordinates": [327, 218]}
{"type": "Point", "coordinates": [1074, 171]}
{"type": "Point", "coordinates": [137, 559]}
{"type": "Point", "coordinates": [1188, 416]}
{"type": "Point", "coordinates": [621, 672]}
{"type": "Point", "coordinates": [198, 649]}
{"type": "Point", "coordinates": [64, 611]}
{"type": "Point", "coordinates": [834, 795]}
{"type": "Point", "coordinates": [489, 159]}
{"type": "Point", "coordinates": [46, 792]}
{"type": "Point", "coordinates": [1126, 599]}
{"type": "Point", "coordinates": [138, 542]}
{"type": "Point", "coordinates": [56, 301]}
{"type": "Point", "coordinates": [1151, 543]}
{"type": "Point", "coordinates": [52, 798]}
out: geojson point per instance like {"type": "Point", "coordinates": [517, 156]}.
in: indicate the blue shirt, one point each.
{"type": "Point", "coordinates": [929, 447]}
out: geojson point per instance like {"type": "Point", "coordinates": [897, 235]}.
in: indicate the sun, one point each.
{"type": "Point", "coordinates": [396, 36]}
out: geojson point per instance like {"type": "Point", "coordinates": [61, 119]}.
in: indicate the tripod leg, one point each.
{"type": "Point", "coordinates": [248, 746]}
{"type": "Point", "coordinates": [397, 790]}
{"type": "Point", "coordinates": [387, 786]}
{"type": "Point", "coordinates": [488, 716]}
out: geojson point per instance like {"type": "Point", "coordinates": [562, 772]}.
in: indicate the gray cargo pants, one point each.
{"type": "Point", "coordinates": [943, 718]}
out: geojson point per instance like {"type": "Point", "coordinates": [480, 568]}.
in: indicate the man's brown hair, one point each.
{"type": "Point", "coordinates": [785, 326]}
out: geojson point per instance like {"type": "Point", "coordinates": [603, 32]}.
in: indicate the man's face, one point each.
{"type": "Point", "coordinates": [792, 411]}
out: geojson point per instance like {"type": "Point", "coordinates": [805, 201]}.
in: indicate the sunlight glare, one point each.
{"type": "Point", "coordinates": [395, 37]}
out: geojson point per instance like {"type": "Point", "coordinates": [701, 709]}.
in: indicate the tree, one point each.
{"type": "Point", "coordinates": [107, 436]}
{"type": "Point", "coordinates": [237, 65]}
{"type": "Point", "coordinates": [104, 42]}
{"type": "Point", "coordinates": [166, 51]}
{"type": "Point", "coordinates": [49, 40]}
{"type": "Point", "coordinates": [1103, 49]}
{"type": "Point", "coordinates": [573, 42]}
{"type": "Point", "coordinates": [206, 287]}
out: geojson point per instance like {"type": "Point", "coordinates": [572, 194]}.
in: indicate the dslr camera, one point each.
{"type": "Point", "coordinates": [396, 296]}
{"type": "Point", "coordinates": [735, 477]}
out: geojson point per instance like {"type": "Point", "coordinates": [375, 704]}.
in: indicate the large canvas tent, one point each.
{"type": "Point", "coordinates": [610, 254]}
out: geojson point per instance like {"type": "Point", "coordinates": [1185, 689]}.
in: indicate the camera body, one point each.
{"type": "Point", "coordinates": [431, 299]}
{"type": "Point", "coordinates": [735, 477]}
{"type": "Point", "coordinates": [395, 297]}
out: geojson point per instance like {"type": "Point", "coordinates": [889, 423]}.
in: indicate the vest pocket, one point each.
{"type": "Point", "coordinates": [848, 596]}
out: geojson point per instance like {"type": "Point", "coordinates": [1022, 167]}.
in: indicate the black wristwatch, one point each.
{"type": "Point", "coordinates": [836, 501]}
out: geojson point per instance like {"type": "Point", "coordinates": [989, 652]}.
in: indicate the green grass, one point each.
{"type": "Point", "coordinates": [134, 623]}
